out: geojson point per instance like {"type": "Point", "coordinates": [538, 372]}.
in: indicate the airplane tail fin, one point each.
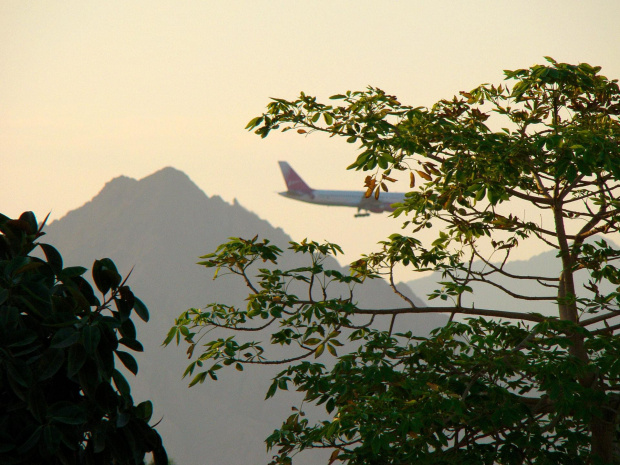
{"type": "Point", "coordinates": [293, 180]}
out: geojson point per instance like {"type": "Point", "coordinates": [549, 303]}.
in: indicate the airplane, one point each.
{"type": "Point", "coordinates": [297, 189]}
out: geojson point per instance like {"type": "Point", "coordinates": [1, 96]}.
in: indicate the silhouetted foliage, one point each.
{"type": "Point", "coordinates": [62, 399]}
{"type": "Point", "coordinates": [493, 169]}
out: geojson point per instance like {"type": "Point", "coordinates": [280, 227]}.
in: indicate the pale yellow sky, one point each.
{"type": "Point", "coordinates": [91, 90]}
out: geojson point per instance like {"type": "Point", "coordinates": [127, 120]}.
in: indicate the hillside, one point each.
{"type": "Point", "coordinates": [160, 225]}
{"type": "Point", "coordinates": [486, 296]}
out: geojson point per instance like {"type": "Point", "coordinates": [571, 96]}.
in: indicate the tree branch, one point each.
{"type": "Point", "coordinates": [456, 310]}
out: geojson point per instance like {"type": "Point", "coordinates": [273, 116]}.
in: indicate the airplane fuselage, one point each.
{"type": "Point", "coordinates": [299, 190]}
{"type": "Point", "coordinates": [354, 199]}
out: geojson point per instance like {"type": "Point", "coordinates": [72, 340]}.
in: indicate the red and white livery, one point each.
{"type": "Point", "coordinates": [297, 189]}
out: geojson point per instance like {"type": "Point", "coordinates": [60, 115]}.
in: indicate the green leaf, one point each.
{"type": "Point", "coordinates": [65, 337]}
{"type": "Point", "coordinates": [272, 389]}
{"type": "Point", "coordinates": [128, 360]}
{"type": "Point", "coordinates": [73, 271]}
{"type": "Point", "coordinates": [132, 344]}
{"type": "Point", "coordinates": [91, 335]}
{"type": "Point", "coordinates": [22, 338]}
{"type": "Point", "coordinates": [9, 317]}
{"type": "Point", "coordinates": [4, 295]}
{"type": "Point", "coordinates": [37, 403]}
{"type": "Point", "coordinates": [51, 438]}
{"type": "Point", "coordinates": [31, 220]}
{"type": "Point", "coordinates": [141, 309]}
{"type": "Point", "coordinates": [53, 257]}
{"type": "Point", "coordinates": [254, 122]}
{"type": "Point", "coordinates": [75, 359]}
{"type": "Point", "coordinates": [201, 377]}
{"type": "Point", "coordinates": [32, 440]}
{"type": "Point", "coordinates": [319, 350]}
{"type": "Point", "coordinates": [121, 383]}
{"type": "Point", "coordinates": [18, 372]}
{"type": "Point", "coordinates": [106, 275]}
{"type": "Point", "coordinates": [122, 420]}
{"type": "Point", "coordinates": [144, 410]}
{"type": "Point", "coordinates": [50, 363]}
{"type": "Point", "coordinates": [330, 405]}
{"type": "Point", "coordinates": [128, 329]}
{"type": "Point", "coordinates": [283, 384]}
{"type": "Point", "coordinates": [172, 333]}
{"type": "Point", "coordinates": [571, 173]}
{"type": "Point", "coordinates": [67, 413]}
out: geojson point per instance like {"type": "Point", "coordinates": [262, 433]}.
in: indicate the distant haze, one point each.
{"type": "Point", "coordinates": [487, 296]}
{"type": "Point", "coordinates": [93, 90]}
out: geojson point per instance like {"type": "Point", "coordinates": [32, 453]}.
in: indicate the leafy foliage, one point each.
{"type": "Point", "coordinates": [536, 160]}
{"type": "Point", "coordinates": [62, 398]}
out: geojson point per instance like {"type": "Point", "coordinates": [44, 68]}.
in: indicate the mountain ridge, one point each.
{"type": "Point", "coordinates": [159, 226]}
{"type": "Point", "coordinates": [486, 296]}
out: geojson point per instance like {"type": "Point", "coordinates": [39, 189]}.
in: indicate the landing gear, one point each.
{"type": "Point", "coordinates": [359, 214]}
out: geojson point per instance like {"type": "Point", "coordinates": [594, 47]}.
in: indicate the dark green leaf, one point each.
{"type": "Point", "coordinates": [75, 359]}
{"type": "Point", "coordinates": [67, 413]}
{"type": "Point", "coordinates": [90, 338]}
{"type": "Point", "coordinates": [18, 372]}
{"type": "Point", "coordinates": [50, 363]}
{"type": "Point", "coordinates": [73, 271]}
{"type": "Point", "coordinates": [53, 257]}
{"type": "Point", "coordinates": [141, 309]}
{"type": "Point", "coordinates": [65, 337]}
{"type": "Point", "coordinates": [121, 383]}
{"type": "Point", "coordinates": [32, 440]}
{"type": "Point", "coordinates": [132, 344]}
{"type": "Point", "coordinates": [51, 438]}
{"type": "Point", "coordinates": [145, 410]}
{"type": "Point", "coordinates": [122, 420]}
{"type": "Point", "coordinates": [128, 360]}
{"type": "Point", "coordinates": [128, 330]}
{"type": "Point", "coordinates": [106, 275]}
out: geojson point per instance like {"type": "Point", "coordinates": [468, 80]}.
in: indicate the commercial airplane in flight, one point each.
{"type": "Point", "coordinates": [297, 189]}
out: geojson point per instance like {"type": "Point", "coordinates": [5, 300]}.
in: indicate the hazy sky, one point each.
{"type": "Point", "coordinates": [90, 90]}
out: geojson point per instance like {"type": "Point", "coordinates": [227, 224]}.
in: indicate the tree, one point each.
{"type": "Point", "coordinates": [62, 400]}
{"type": "Point", "coordinates": [536, 159]}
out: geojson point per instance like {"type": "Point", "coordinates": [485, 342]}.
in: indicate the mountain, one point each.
{"type": "Point", "coordinates": [546, 264]}
{"type": "Point", "coordinates": [160, 225]}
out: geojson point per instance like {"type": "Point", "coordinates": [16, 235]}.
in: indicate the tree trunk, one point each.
{"type": "Point", "coordinates": [603, 434]}
{"type": "Point", "coordinates": [602, 429]}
